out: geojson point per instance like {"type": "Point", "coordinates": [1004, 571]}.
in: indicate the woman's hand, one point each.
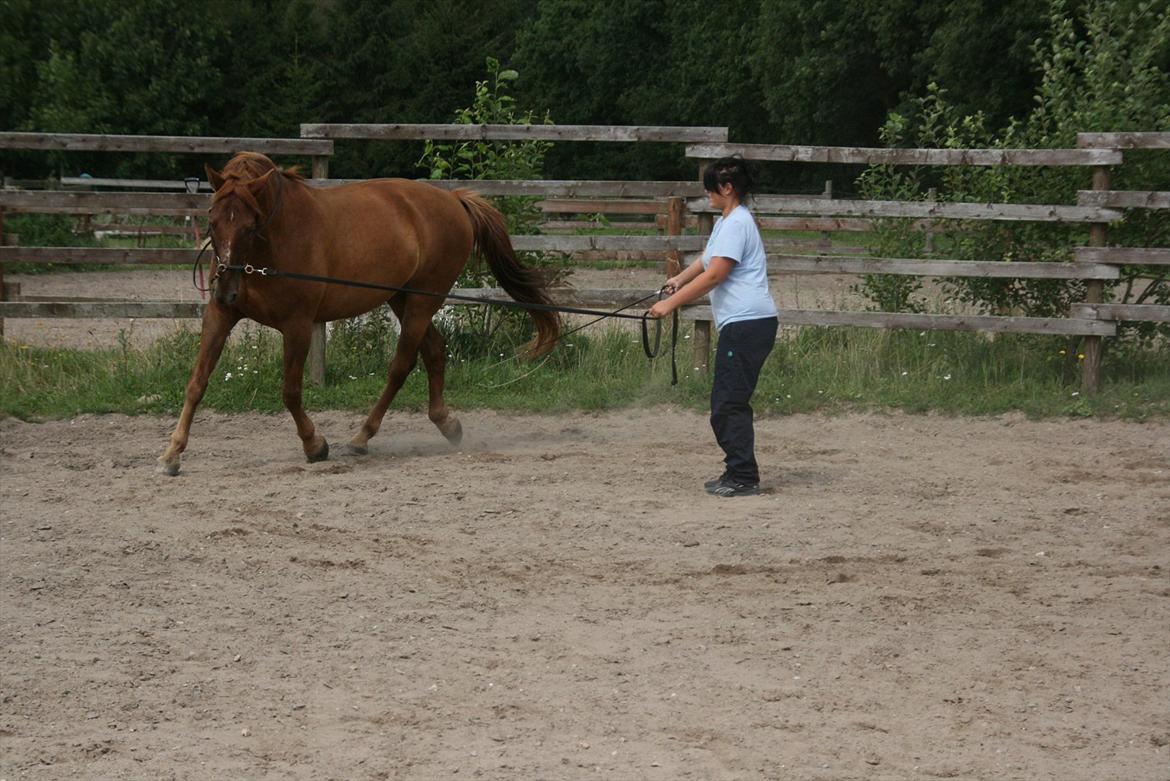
{"type": "Point", "coordinates": [660, 309]}
{"type": "Point", "coordinates": [693, 283]}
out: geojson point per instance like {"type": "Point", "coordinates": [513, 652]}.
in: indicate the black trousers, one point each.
{"type": "Point", "coordinates": [741, 352]}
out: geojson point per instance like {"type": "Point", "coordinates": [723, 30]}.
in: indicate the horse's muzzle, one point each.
{"type": "Point", "coordinates": [227, 289]}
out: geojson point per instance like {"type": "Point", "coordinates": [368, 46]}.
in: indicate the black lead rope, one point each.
{"type": "Point", "coordinates": [653, 353]}
{"type": "Point", "coordinates": [600, 314]}
{"type": "Point", "coordinates": [196, 271]}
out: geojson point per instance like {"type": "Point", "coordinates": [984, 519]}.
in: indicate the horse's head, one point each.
{"type": "Point", "coordinates": [242, 207]}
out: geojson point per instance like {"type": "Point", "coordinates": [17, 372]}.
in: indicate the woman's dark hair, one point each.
{"type": "Point", "coordinates": [729, 170]}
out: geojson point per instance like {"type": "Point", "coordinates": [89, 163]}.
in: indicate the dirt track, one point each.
{"type": "Point", "coordinates": [825, 291]}
{"type": "Point", "coordinates": [913, 598]}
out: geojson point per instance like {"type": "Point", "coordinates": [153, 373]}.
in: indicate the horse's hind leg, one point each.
{"type": "Point", "coordinates": [217, 324]}
{"type": "Point", "coordinates": [296, 349]}
{"type": "Point", "coordinates": [434, 355]}
{"type": "Point", "coordinates": [414, 317]}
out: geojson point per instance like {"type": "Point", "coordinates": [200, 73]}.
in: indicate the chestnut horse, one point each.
{"type": "Point", "coordinates": [389, 232]}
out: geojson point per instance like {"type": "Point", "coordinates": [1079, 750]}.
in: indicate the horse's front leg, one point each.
{"type": "Point", "coordinates": [296, 348]}
{"type": "Point", "coordinates": [414, 317]}
{"type": "Point", "coordinates": [217, 324]}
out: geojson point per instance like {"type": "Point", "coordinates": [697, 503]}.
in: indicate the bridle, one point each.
{"type": "Point", "coordinates": [258, 232]}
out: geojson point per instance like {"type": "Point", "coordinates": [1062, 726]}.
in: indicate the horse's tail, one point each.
{"type": "Point", "coordinates": [522, 284]}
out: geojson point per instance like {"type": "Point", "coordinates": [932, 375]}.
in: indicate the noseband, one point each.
{"type": "Point", "coordinates": [260, 232]}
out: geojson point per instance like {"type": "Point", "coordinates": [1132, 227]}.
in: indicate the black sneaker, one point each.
{"type": "Point", "coordinates": [727, 487]}
{"type": "Point", "coordinates": [712, 483]}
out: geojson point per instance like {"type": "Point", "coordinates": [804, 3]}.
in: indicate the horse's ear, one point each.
{"type": "Point", "coordinates": [214, 176]}
{"type": "Point", "coordinates": [258, 184]}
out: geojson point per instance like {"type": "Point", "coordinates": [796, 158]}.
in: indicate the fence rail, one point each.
{"type": "Point", "coordinates": [1124, 199]}
{"type": "Point", "coordinates": [785, 153]}
{"type": "Point", "coordinates": [78, 202]}
{"type": "Point", "coordinates": [777, 262]}
{"type": "Point", "coordinates": [1125, 256]}
{"type": "Point", "coordinates": [935, 322]}
{"type": "Point", "coordinates": [406, 132]}
{"type": "Point", "coordinates": [92, 142]}
{"type": "Point", "coordinates": [1009, 212]}
{"type": "Point", "coordinates": [1141, 313]}
{"type": "Point", "coordinates": [114, 256]}
{"type": "Point", "coordinates": [562, 188]}
{"type": "Point", "coordinates": [87, 182]}
{"type": "Point", "coordinates": [1154, 140]}
{"type": "Point", "coordinates": [1085, 324]}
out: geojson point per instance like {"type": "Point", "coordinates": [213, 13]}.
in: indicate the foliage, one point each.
{"type": "Point", "coordinates": [1108, 78]}
{"type": "Point", "coordinates": [781, 70]}
{"type": "Point", "coordinates": [469, 329]}
{"type": "Point", "coordinates": [361, 346]}
{"type": "Point", "coordinates": [489, 159]}
{"type": "Point", "coordinates": [128, 67]}
{"type": "Point", "coordinates": [867, 56]}
{"type": "Point", "coordinates": [46, 230]}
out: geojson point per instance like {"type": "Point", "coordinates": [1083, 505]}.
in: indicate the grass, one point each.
{"type": "Point", "coordinates": [812, 370]}
{"type": "Point", "coordinates": [828, 370]}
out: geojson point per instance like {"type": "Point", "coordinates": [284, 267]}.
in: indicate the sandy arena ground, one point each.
{"type": "Point", "coordinates": [911, 598]}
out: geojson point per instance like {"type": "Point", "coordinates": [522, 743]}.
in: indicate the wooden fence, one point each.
{"type": "Point", "coordinates": [671, 206]}
{"type": "Point", "coordinates": [1098, 207]}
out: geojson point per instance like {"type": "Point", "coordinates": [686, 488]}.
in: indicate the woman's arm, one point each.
{"type": "Point", "coordinates": [699, 285]}
{"type": "Point", "coordinates": [683, 277]}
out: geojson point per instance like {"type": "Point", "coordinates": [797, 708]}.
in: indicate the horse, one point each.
{"type": "Point", "coordinates": [395, 233]}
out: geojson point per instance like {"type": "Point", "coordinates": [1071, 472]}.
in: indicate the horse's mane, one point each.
{"type": "Point", "coordinates": [245, 167]}
{"type": "Point", "coordinates": [251, 165]}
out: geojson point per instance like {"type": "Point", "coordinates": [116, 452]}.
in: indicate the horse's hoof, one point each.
{"type": "Point", "coordinates": [452, 430]}
{"type": "Point", "coordinates": [357, 450]}
{"type": "Point", "coordinates": [168, 469]}
{"type": "Point", "coordinates": [320, 455]}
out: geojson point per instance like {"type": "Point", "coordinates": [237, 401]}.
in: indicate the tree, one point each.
{"type": "Point", "coordinates": [613, 69]}
{"type": "Point", "coordinates": [127, 67]}
{"type": "Point", "coordinates": [275, 55]}
{"type": "Point", "coordinates": [406, 61]}
{"type": "Point", "coordinates": [21, 37]}
{"type": "Point", "coordinates": [1103, 67]}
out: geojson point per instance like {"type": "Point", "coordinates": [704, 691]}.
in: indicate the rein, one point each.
{"type": "Point", "coordinates": [599, 314]}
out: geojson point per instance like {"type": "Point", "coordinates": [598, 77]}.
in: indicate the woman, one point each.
{"type": "Point", "coordinates": [733, 269]}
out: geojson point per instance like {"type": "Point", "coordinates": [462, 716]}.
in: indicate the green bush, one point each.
{"type": "Point", "coordinates": [1100, 72]}
{"type": "Point", "coordinates": [470, 331]}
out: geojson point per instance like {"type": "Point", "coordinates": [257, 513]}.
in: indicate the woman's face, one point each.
{"type": "Point", "coordinates": [723, 198]}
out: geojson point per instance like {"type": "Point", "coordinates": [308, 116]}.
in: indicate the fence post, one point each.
{"type": "Point", "coordinates": [1094, 294]}
{"type": "Point", "coordinates": [317, 354]}
{"type": "Point", "coordinates": [932, 196]}
{"type": "Point", "coordinates": [702, 337]}
{"type": "Point", "coordinates": [317, 340]}
{"type": "Point", "coordinates": [676, 220]}
{"type": "Point", "coordinates": [320, 167]}
{"type": "Point", "coordinates": [826, 242]}
{"type": "Point", "coordinates": [3, 292]}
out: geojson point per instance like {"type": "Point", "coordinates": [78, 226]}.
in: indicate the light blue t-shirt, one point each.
{"type": "Point", "coordinates": [743, 295]}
